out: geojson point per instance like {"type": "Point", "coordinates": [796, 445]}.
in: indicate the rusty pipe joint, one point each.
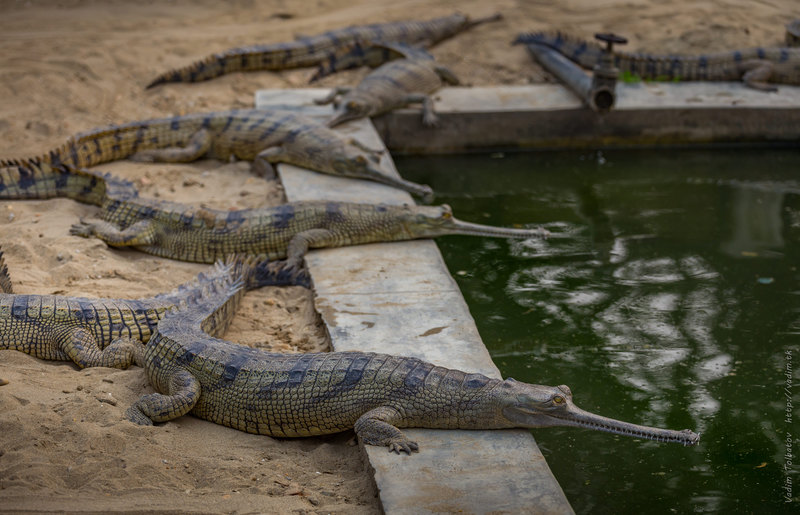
{"type": "Point", "coordinates": [604, 80]}
{"type": "Point", "coordinates": [597, 92]}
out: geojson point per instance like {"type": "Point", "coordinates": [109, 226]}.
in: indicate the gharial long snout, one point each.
{"type": "Point", "coordinates": [581, 418]}
{"type": "Point", "coordinates": [342, 115]}
{"type": "Point", "coordinates": [376, 174]}
{"type": "Point", "coordinates": [571, 415]}
{"type": "Point", "coordinates": [456, 226]}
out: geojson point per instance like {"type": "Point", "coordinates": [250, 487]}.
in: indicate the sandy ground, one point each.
{"type": "Point", "coordinates": [68, 66]}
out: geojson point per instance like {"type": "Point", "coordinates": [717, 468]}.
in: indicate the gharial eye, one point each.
{"type": "Point", "coordinates": [558, 399]}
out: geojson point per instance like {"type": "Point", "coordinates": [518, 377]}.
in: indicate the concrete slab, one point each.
{"type": "Point", "coordinates": [550, 116]}
{"type": "Point", "coordinates": [646, 114]}
{"type": "Point", "coordinates": [399, 298]}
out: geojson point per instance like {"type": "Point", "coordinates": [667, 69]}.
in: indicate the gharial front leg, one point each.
{"type": "Point", "coordinates": [429, 118]}
{"type": "Point", "coordinates": [197, 147]}
{"type": "Point", "coordinates": [183, 392]}
{"type": "Point", "coordinates": [140, 233]}
{"type": "Point", "coordinates": [301, 242]}
{"type": "Point", "coordinates": [335, 92]}
{"type": "Point", "coordinates": [81, 347]}
{"type": "Point", "coordinates": [447, 75]}
{"type": "Point", "coordinates": [376, 427]}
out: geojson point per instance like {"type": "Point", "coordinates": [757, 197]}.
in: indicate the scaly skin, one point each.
{"type": "Point", "coordinates": [393, 85]}
{"type": "Point", "coordinates": [321, 393]}
{"type": "Point", "coordinates": [312, 51]}
{"type": "Point", "coordinates": [265, 137]}
{"type": "Point", "coordinates": [105, 332]}
{"type": "Point", "coordinates": [286, 231]}
{"type": "Point", "coordinates": [756, 67]}
{"type": "Point", "coordinates": [178, 231]}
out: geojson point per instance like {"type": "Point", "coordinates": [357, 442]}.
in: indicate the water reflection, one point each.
{"type": "Point", "coordinates": [652, 317]}
{"type": "Point", "coordinates": [667, 298]}
{"type": "Point", "coordinates": [756, 221]}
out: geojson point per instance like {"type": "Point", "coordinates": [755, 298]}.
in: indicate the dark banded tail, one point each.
{"type": "Point", "coordinates": [355, 55]}
{"type": "Point", "coordinates": [582, 52]}
{"type": "Point", "coordinates": [41, 179]}
{"type": "Point", "coordinates": [204, 69]}
{"type": "Point", "coordinates": [482, 20]}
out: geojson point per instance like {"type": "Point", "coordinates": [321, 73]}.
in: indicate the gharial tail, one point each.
{"type": "Point", "coordinates": [203, 69]}
{"type": "Point", "coordinates": [227, 281]}
{"type": "Point", "coordinates": [276, 57]}
{"type": "Point", "coordinates": [584, 53]}
{"type": "Point", "coordinates": [484, 19]}
{"type": "Point", "coordinates": [276, 273]}
{"type": "Point", "coordinates": [214, 298]}
{"type": "Point", "coordinates": [359, 53]}
{"type": "Point", "coordinates": [46, 177]}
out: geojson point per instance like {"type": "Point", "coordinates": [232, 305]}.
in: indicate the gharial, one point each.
{"type": "Point", "coordinates": [312, 51]}
{"type": "Point", "coordinates": [262, 136]}
{"type": "Point", "coordinates": [756, 67]}
{"type": "Point", "coordinates": [321, 393]}
{"type": "Point", "coordinates": [103, 332]}
{"type": "Point", "coordinates": [178, 231]}
{"type": "Point", "coordinates": [399, 82]}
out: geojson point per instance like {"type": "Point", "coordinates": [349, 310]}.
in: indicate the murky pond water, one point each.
{"type": "Point", "coordinates": [670, 297]}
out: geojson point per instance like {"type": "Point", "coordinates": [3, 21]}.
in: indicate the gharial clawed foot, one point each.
{"type": "Point", "coordinates": [403, 445]}
{"type": "Point", "coordinates": [135, 415]}
{"type": "Point", "coordinates": [284, 273]}
{"type": "Point", "coordinates": [263, 168]}
{"type": "Point", "coordinates": [430, 119]}
{"type": "Point", "coordinates": [82, 228]}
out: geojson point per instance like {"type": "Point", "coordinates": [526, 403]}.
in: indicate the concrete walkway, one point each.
{"type": "Point", "coordinates": [399, 298]}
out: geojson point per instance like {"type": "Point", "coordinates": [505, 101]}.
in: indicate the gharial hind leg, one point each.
{"type": "Point", "coordinates": [757, 74]}
{"type": "Point", "coordinates": [197, 147]}
{"type": "Point", "coordinates": [263, 163]}
{"type": "Point", "coordinates": [81, 347]}
{"type": "Point", "coordinates": [140, 233]}
{"type": "Point", "coordinates": [183, 392]}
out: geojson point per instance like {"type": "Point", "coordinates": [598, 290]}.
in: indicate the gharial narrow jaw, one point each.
{"type": "Point", "coordinates": [456, 226]}
{"type": "Point", "coordinates": [571, 415]}
{"type": "Point", "coordinates": [341, 117]}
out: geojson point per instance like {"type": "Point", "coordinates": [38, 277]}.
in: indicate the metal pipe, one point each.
{"type": "Point", "coordinates": [599, 97]}
{"type": "Point", "coordinates": [793, 33]}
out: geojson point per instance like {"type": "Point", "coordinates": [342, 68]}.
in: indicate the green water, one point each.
{"type": "Point", "coordinates": [670, 297]}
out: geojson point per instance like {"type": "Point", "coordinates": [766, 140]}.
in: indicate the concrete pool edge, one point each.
{"type": "Point", "coordinates": [399, 298]}
{"type": "Point", "coordinates": [548, 116]}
